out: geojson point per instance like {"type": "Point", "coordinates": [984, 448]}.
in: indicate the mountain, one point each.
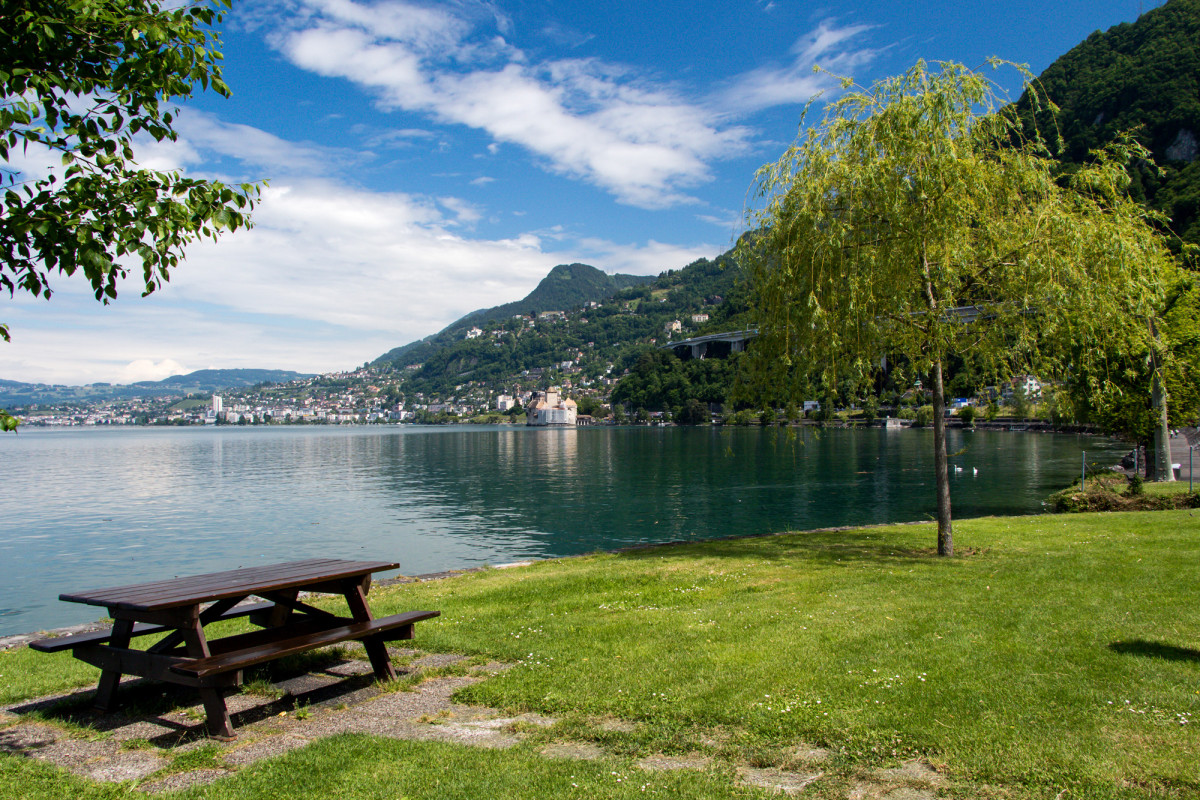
{"type": "Point", "coordinates": [14, 394]}
{"type": "Point", "coordinates": [211, 380]}
{"type": "Point", "coordinates": [1142, 77]}
{"type": "Point", "coordinates": [588, 342]}
{"type": "Point", "coordinates": [567, 286]}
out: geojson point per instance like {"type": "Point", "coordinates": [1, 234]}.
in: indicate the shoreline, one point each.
{"type": "Point", "coordinates": [15, 640]}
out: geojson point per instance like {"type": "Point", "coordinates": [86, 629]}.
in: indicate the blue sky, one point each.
{"type": "Point", "coordinates": [429, 159]}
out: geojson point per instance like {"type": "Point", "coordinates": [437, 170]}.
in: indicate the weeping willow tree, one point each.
{"type": "Point", "coordinates": [919, 219]}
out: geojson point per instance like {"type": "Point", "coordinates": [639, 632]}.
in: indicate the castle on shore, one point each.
{"type": "Point", "coordinates": [551, 409]}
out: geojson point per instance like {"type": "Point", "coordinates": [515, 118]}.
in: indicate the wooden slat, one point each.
{"type": "Point", "coordinates": [193, 589]}
{"type": "Point", "coordinates": [139, 629]}
{"type": "Point", "coordinates": [269, 651]}
{"type": "Point", "coordinates": [203, 586]}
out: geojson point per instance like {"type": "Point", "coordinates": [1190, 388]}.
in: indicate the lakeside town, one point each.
{"type": "Point", "coordinates": [366, 396]}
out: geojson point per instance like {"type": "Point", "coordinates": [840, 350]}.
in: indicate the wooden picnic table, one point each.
{"type": "Point", "coordinates": [182, 607]}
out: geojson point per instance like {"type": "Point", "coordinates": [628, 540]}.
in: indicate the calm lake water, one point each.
{"type": "Point", "coordinates": [86, 508]}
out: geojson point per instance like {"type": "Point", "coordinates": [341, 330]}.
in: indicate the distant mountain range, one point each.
{"type": "Point", "coordinates": [567, 286]}
{"type": "Point", "coordinates": [15, 393]}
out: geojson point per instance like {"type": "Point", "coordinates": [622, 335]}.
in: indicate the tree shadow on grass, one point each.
{"type": "Point", "coordinates": [826, 546]}
{"type": "Point", "coordinates": [1169, 652]}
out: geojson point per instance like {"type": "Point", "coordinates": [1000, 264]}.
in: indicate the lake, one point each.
{"type": "Point", "coordinates": [91, 507]}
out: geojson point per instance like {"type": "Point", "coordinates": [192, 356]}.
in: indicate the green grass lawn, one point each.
{"type": "Point", "coordinates": [1056, 654]}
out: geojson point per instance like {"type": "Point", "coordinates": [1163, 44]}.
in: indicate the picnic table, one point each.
{"type": "Point", "coordinates": [180, 608]}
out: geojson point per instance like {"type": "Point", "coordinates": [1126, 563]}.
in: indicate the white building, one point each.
{"type": "Point", "coordinates": [551, 409]}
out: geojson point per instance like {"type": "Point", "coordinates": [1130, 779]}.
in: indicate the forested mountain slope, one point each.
{"type": "Point", "coordinates": [590, 338]}
{"type": "Point", "coordinates": [1142, 77]}
{"type": "Point", "coordinates": [567, 286]}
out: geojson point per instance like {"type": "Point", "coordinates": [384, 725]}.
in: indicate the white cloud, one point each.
{"type": "Point", "coordinates": [729, 220]}
{"type": "Point", "coordinates": [796, 83]}
{"type": "Point", "coordinates": [144, 369]}
{"type": "Point", "coordinates": [466, 213]}
{"type": "Point", "coordinates": [586, 120]}
{"type": "Point", "coordinates": [257, 149]}
{"type": "Point", "coordinates": [637, 259]}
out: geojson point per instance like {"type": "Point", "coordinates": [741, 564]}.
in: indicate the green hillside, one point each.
{"type": "Point", "coordinates": [1143, 77]}
{"type": "Point", "coordinates": [592, 337]}
{"type": "Point", "coordinates": [567, 286]}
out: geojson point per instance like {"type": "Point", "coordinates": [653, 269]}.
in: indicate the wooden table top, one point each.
{"type": "Point", "coordinates": [195, 589]}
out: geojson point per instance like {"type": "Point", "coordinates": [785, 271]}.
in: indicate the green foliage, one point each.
{"type": "Point", "coordinates": [660, 380]}
{"type": "Point", "coordinates": [918, 219]}
{"type": "Point", "coordinates": [1020, 401]}
{"type": "Point", "coordinates": [870, 408]}
{"type": "Point", "coordinates": [905, 202]}
{"type": "Point", "coordinates": [1139, 77]}
{"type": "Point", "coordinates": [967, 415]}
{"type": "Point", "coordinates": [80, 80]}
{"type": "Point", "coordinates": [923, 417]}
{"type": "Point", "coordinates": [1123, 405]}
{"type": "Point", "coordinates": [591, 406]}
{"type": "Point", "coordinates": [693, 412]}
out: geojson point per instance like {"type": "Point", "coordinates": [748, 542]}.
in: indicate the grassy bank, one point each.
{"type": "Point", "coordinates": [1112, 492]}
{"type": "Point", "coordinates": [1058, 653]}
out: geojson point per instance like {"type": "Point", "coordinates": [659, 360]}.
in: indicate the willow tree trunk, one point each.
{"type": "Point", "coordinates": [945, 527]}
{"type": "Point", "coordinates": [1162, 433]}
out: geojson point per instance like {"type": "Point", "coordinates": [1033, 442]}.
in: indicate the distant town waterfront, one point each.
{"type": "Point", "coordinates": [85, 508]}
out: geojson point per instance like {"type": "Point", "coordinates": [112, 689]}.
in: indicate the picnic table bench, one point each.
{"type": "Point", "coordinates": [180, 608]}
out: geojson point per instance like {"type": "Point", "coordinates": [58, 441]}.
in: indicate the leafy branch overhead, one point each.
{"type": "Point", "coordinates": [83, 82]}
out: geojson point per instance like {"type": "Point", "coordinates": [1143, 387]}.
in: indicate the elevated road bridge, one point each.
{"type": "Point", "coordinates": [713, 345]}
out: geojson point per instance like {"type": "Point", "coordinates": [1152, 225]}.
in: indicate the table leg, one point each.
{"type": "Point", "coordinates": [106, 690]}
{"type": "Point", "coordinates": [381, 662]}
{"type": "Point", "coordinates": [219, 724]}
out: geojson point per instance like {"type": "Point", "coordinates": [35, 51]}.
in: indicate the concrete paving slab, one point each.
{"type": "Point", "coordinates": [265, 747]}
{"type": "Point", "coordinates": [789, 783]}
{"type": "Point", "coordinates": [184, 780]}
{"type": "Point", "coordinates": [661, 763]}
{"type": "Point", "coordinates": [27, 737]}
{"type": "Point", "coordinates": [303, 684]}
{"type": "Point", "coordinates": [435, 660]}
{"type": "Point", "coordinates": [574, 751]}
{"type": "Point", "coordinates": [475, 734]}
{"type": "Point", "coordinates": [127, 765]}
{"type": "Point", "coordinates": [913, 772]}
{"type": "Point", "coordinates": [348, 668]}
